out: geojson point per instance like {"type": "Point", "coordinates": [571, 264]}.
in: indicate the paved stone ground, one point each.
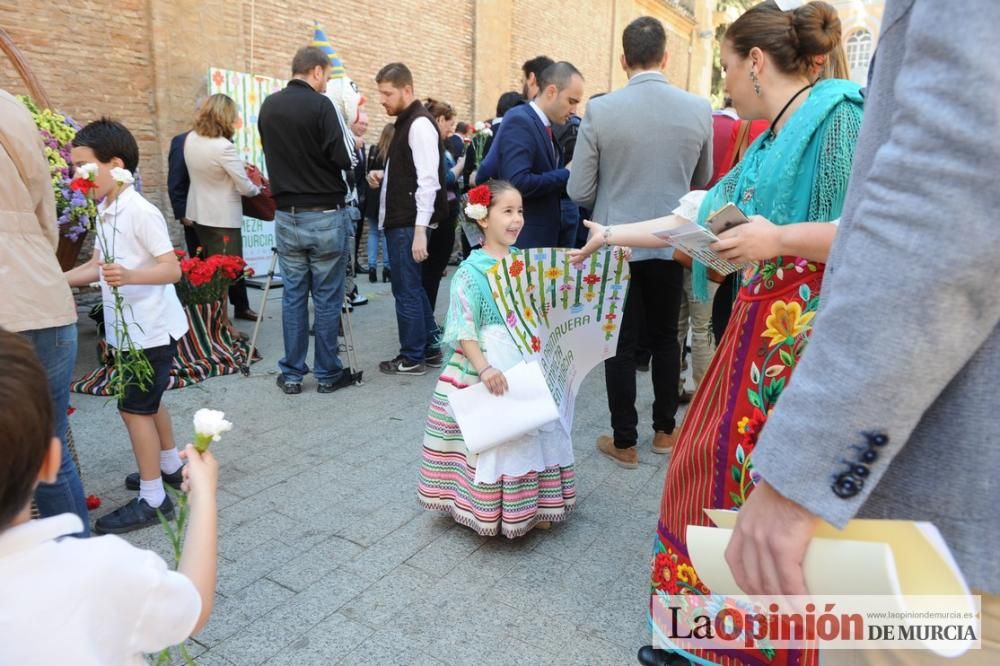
{"type": "Point", "coordinates": [325, 557]}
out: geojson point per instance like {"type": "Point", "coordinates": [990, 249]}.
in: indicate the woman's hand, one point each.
{"type": "Point", "coordinates": [756, 241]}
{"type": "Point", "coordinates": [594, 242]}
{"type": "Point", "coordinates": [495, 382]}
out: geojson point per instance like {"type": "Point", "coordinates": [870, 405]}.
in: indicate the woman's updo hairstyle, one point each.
{"type": "Point", "coordinates": [793, 39]}
{"type": "Point", "coordinates": [439, 109]}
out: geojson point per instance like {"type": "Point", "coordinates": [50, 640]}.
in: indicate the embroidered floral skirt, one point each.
{"type": "Point", "coordinates": [507, 489]}
{"type": "Point", "coordinates": [712, 465]}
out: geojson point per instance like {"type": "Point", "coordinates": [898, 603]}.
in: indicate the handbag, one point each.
{"type": "Point", "coordinates": [262, 206]}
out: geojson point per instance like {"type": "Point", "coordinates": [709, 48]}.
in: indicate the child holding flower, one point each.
{"type": "Point", "coordinates": [523, 483]}
{"type": "Point", "coordinates": [87, 601]}
{"type": "Point", "coordinates": [150, 318]}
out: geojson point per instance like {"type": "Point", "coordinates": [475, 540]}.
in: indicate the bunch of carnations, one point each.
{"type": "Point", "coordinates": [76, 212]}
{"type": "Point", "coordinates": [480, 139]}
{"type": "Point", "coordinates": [206, 280]}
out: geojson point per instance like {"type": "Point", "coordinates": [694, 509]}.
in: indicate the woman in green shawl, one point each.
{"type": "Point", "coordinates": [791, 183]}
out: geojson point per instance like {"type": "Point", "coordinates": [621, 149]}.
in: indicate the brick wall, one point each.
{"type": "Point", "coordinates": [144, 62]}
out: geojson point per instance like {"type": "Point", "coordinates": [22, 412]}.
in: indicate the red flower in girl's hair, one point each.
{"type": "Point", "coordinates": [480, 194]}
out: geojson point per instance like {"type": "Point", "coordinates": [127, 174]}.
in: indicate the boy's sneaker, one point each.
{"type": "Point", "coordinates": [175, 479]}
{"type": "Point", "coordinates": [434, 359]}
{"type": "Point", "coordinates": [133, 516]}
{"type": "Point", "coordinates": [401, 366]}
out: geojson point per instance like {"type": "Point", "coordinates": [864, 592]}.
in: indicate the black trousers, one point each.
{"type": "Point", "coordinates": [652, 305]}
{"type": "Point", "coordinates": [439, 248]}
{"type": "Point", "coordinates": [722, 305]}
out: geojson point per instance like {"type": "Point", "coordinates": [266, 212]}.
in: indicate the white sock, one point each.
{"type": "Point", "coordinates": [152, 491]}
{"type": "Point", "coordinates": [170, 461]}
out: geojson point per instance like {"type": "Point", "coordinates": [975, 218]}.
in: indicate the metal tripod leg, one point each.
{"type": "Point", "coordinates": [350, 351]}
{"type": "Point", "coordinates": [245, 367]}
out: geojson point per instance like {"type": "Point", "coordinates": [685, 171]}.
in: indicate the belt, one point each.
{"type": "Point", "coordinates": [310, 209]}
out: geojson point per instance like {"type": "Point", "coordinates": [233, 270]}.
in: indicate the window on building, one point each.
{"type": "Point", "coordinates": [859, 54]}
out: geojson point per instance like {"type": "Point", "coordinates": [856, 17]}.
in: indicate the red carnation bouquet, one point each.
{"type": "Point", "coordinates": [206, 280]}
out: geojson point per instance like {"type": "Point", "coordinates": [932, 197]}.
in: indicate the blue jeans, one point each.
{"type": "Point", "coordinates": [56, 349]}
{"type": "Point", "coordinates": [417, 330]}
{"type": "Point", "coordinates": [374, 236]}
{"type": "Point", "coordinates": [570, 222]}
{"type": "Point", "coordinates": [312, 259]}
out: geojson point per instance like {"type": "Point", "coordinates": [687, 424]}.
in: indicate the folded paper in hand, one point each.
{"type": "Point", "coordinates": [694, 239]}
{"type": "Point", "coordinates": [489, 420]}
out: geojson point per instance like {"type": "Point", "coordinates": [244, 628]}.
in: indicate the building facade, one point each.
{"type": "Point", "coordinates": [145, 62]}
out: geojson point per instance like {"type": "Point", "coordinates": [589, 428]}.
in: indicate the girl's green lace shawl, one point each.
{"type": "Point", "coordinates": [471, 284]}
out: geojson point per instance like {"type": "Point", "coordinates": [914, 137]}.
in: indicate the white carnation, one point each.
{"type": "Point", "coordinates": [122, 176]}
{"type": "Point", "coordinates": [87, 171]}
{"type": "Point", "coordinates": [476, 211]}
{"type": "Point", "coordinates": [480, 126]}
{"type": "Point", "coordinates": [209, 424]}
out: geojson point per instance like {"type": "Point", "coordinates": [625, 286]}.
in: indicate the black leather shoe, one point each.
{"type": "Point", "coordinates": [346, 379]}
{"type": "Point", "coordinates": [175, 479]}
{"type": "Point", "coordinates": [650, 656]}
{"type": "Point", "coordinates": [386, 275]}
{"type": "Point", "coordinates": [133, 516]}
{"type": "Point", "coordinates": [373, 275]}
{"type": "Point", "coordinates": [290, 388]}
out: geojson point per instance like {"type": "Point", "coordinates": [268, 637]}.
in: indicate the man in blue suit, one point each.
{"type": "Point", "coordinates": [529, 158]}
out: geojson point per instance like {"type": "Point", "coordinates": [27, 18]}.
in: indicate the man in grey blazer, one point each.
{"type": "Point", "coordinates": [894, 411]}
{"type": "Point", "coordinates": [639, 150]}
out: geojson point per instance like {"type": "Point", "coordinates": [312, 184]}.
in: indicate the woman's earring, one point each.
{"type": "Point", "coordinates": [756, 82]}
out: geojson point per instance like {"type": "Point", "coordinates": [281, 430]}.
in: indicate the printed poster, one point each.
{"type": "Point", "coordinates": [249, 92]}
{"type": "Point", "coordinates": [565, 315]}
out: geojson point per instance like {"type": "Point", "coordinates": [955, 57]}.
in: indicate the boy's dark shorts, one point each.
{"type": "Point", "coordinates": [147, 402]}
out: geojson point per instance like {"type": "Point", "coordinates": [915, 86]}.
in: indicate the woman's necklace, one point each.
{"type": "Point", "coordinates": [785, 107]}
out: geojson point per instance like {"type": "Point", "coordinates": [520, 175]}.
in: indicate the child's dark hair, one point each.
{"type": "Point", "coordinates": [498, 187]}
{"type": "Point", "coordinates": [109, 139]}
{"type": "Point", "coordinates": [26, 423]}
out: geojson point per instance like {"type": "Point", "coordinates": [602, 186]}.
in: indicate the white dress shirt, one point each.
{"type": "Point", "coordinates": [423, 139]}
{"type": "Point", "coordinates": [87, 602]}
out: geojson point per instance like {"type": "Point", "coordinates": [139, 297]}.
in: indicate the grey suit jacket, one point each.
{"type": "Point", "coordinates": [895, 409]}
{"type": "Point", "coordinates": [639, 151]}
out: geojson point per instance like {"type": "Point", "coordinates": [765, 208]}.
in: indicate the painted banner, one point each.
{"type": "Point", "coordinates": [249, 92]}
{"type": "Point", "coordinates": [565, 315]}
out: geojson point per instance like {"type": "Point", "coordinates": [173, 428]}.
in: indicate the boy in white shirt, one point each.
{"type": "Point", "coordinates": [144, 270]}
{"type": "Point", "coordinates": [93, 601]}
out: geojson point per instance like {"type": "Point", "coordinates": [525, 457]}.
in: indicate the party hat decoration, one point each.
{"type": "Point", "coordinates": [337, 70]}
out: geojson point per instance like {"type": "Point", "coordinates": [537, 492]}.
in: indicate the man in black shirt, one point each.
{"type": "Point", "coordinates": [307, 147]}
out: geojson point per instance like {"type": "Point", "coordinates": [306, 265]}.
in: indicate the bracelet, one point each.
{"type": "Point", "coordinates": [488, 367]}
{"type": "Point", "coordinates": [607, 235]}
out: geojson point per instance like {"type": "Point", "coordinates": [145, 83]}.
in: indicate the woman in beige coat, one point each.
{"type": "Point", "coordinates": [218, 181]}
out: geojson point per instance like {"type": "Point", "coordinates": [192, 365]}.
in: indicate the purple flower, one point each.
{"type": "Point", "coordinates": [511, 318]}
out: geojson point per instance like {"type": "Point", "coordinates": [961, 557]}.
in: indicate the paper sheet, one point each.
{"type": "Point", "coordinates": [487, 420]}
{"type": "Point", "coordinates": [694, 240]}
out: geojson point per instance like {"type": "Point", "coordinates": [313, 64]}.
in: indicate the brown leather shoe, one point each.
{"type": "Point", "coordinates": [664, 442]}
{"type": "Point", "coordinates": [628, 458]}
{"type": "Point", "coordinates": [246, 315]}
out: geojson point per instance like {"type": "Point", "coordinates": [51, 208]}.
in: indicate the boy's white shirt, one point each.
{"type": "Point", "coordinates": [87, 601]}
{"type": "Point", "coordinates": [153, 312]}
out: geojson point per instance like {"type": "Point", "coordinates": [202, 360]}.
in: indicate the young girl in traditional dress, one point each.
{"type": "Point", "coordinates": [527, 481]}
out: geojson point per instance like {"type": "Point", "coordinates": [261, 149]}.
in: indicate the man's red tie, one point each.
{"type": "Point", "coordinates": [548, 130]}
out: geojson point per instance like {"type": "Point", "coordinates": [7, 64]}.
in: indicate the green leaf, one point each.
{"type": "Point", "coordinates": [754, 373]}
{"type": "Point", "coordinates": [740, 455]}
{"type": "Point", "coordinates": [736, 473]}
{"type": "Point", "coordinates": [804, 292]}
{"type": "Point", "coordinates": [787, 358]}
{"type": "Point", "coordinates": [753, 398]}
{"type": "Point", "coordinates": [737, 501]}
{"type": "Point", "coordinates": [778, 386]}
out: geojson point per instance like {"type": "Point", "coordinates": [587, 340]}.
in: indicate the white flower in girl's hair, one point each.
{"type": "Point", "coordinates": [86, 171]}
{"type": "Point", "coordinates": [122, 176]}
{"type": "Point", "coordinates": [476, 211]}
{"type": "Point", "coordinates": [209, 424]}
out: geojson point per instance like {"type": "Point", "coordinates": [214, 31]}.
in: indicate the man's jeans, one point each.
{"type": "Point", "coordinates": [374, 236]}
{"type": "Point", "coordinates": [417, 330]}
{"type": "Point", "coordinates": [56, 349]}
{"type": "Point", "coordinates": [311, 255]}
